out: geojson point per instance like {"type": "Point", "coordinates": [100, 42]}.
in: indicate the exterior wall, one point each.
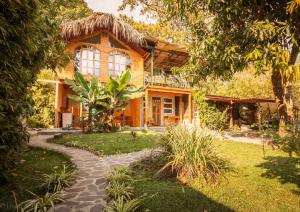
{"type": "Point", "coordinates": [132, 113]}
{"type": "Point", "coordinates": [137, 61]}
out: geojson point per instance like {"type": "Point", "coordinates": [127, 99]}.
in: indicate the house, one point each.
{"type": "Point", "coordinates": [103, 46]}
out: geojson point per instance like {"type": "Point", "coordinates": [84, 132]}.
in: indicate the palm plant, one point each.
{"type": "Point", "coordinates": [90, 93]}
{"type": "Point", "coordinates": [119, 91]}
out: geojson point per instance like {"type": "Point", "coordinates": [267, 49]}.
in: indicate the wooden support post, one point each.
{"type": "Point", "coordinates": [146, 107]}
{"type": "Point", "coordinates": [56, 119]}
{"type": "Point", "coordinates": [81, 110]}
{"type": "Point", "coordinates": [180, 110]}
{"type": "Point", "coordinates": [231, 117]}
{"type": "Point", "coordinates": [152, 66]}
{"type": "Point", "coordinates": [190, 109]}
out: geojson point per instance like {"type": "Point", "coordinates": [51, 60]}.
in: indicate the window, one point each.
{"type": "Point", "coordinates": [118, 62]}
{"type": "Point", "coordinates": [87, 60]}
{"type": "Point", "coordinates": [168, 106]}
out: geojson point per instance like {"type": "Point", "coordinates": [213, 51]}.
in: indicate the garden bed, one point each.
{"type": "Point", "coordinates": [28, 175]}
{"type": "Point", "coordinates": [111, 143]}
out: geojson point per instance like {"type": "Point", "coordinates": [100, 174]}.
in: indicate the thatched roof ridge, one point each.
{"type": "Point", "coordinates": [97, 21]}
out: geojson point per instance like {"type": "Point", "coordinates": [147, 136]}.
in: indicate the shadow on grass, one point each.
{"type": "Point", "coordinates": [169, 196]}
{"type": "Point", "coordinates": [286, 169]}
{"type": "Point", "coordinates": [166, 194]}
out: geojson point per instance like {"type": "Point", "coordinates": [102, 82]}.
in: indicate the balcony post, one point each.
{"type": "Point", "coordinates": [180, 109]}
{"type": "Point", "coordinates": [152, 65]}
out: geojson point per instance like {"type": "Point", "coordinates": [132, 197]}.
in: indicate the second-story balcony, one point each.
{"type": "Point", "coordinates": [166, 80]}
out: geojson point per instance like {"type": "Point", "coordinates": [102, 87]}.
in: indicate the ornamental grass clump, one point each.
{"type": "Point", "coordinates": [192, 156]}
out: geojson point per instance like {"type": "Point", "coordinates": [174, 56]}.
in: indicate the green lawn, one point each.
{"type": "Point", "coordinates": [111, 143]}
{"type": "Point", "coordinates": [27, 175]}
{"type": "Point", "coordinates": [270, 184]}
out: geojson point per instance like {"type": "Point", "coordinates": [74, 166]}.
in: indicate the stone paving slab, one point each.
{"type": "Point", "coordinates": [88, 193]}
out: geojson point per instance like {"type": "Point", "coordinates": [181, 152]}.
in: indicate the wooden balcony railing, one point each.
{"type": "Point", "coordinates": [167, 80]}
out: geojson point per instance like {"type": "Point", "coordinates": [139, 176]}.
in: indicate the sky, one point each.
{"type": "Point", "coordinates": [111, 6]}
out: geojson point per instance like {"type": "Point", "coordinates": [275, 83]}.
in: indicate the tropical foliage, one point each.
{"type": "Point", "coordinates": [120, 189]}
{"type": "Point", "coordinates": [192, 156]}
{"type": "Point", "coordinates": [102, 100]}
{"type": "Point", "coordinates": [90, 93]}
{"type": "Point", "coordinates": [43, 101]}
{"type": "Point", "coordinates": [30, 40]}
{"type": "Point", "coordinates": [209, 116]}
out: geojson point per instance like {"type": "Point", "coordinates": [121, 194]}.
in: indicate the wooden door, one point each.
{"type": "Point", "coordinates": [156, 111]}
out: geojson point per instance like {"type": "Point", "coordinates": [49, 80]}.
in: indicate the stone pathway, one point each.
{"type": "Point", "coordinates": [88, 193]}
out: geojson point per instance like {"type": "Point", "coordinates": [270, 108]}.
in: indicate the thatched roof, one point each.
{"type": "Point", "coordinates": [97, 21]}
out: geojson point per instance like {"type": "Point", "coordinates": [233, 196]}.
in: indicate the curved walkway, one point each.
{"type": "Point", "coordinates": [88, 193]}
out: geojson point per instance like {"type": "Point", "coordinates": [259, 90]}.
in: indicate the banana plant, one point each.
{"type": "Point", "coordinates": [90, 93]}
{"type": "Point", "coordinates": [119, 90]}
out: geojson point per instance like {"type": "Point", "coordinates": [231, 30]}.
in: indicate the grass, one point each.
{"type": "Point", "coordinates": [27, 175]}
{"type": "Point", "coordinates": [270, 184]}
{"type": "Point", "coordinates": [111, 143]}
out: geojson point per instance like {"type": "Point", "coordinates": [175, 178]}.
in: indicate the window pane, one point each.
{"type": "Point", "coordinates": [122, 67]}
{"type": "Point", "coordinates": [84, 54]}
{"type": "Point", "coordinates": [168, 106]}
{"type": "Point", "coordinates": [168, 100]}
{"type": "Point", "coordinates": [110, 66]}
{"type": "Point", "coordinates": [97, 56]}
{"type": "Point", "coordinates": [90, 63]}
{"type": "Point", "coordinates": [97, 64]}
{"type": "Point", "coordinates": [97, 71]}
{"type": "Point", "coordinates": [167, 110]}
{"type": "Point", "coordinates": [84, 70]}
{"type": "Point", "coordinates": [90, 70]}
{"type": "Point", "coordinates": [91, 55]}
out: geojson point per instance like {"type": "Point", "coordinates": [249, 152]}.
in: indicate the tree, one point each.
{"type": "Point", "coordinates": [227, 36]}
{"type": "Point", "coordinates": [90, 93]}
{"type": "Point", "coordinates": [119, 92]}
{"type": "Point", "coordinates": [29, 41]}
{"type": "Point", "coordinates": [244, 84]}
{"type": "Point", "coordinates": [43, 101]}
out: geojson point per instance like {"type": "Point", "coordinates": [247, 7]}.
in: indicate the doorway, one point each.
{"type": "Point", "coordinates": [156, 111]}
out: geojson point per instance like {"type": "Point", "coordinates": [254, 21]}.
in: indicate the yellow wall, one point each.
{"type": "Point", "coordinates": [137, 61]}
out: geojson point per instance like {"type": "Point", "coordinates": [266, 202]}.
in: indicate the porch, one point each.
{"type": "Point", "coordinates": [163, 106]}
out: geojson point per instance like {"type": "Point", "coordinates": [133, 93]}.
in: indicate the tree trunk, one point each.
{"type": "Point", "coordinates": [90, 127]}
{"type": "Point", "coordinates": [279, 92]}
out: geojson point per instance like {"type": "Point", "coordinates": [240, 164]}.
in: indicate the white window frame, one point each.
{"type": "Point", "coordinates": [116, 69]}
{"type": "Point", "coordinates": [169, 103]}
{"type": "Point", "coordinates": [92, 65]}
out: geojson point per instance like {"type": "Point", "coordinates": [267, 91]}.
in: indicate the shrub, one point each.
{"type": "Point", "coordinates": [40, 204]}
{"type": "Point", "coordinates": [56, 181]}
{"type": "Point", "coordinates": [123, 205]}
{"type": "Point", "coordinates": [210, 116]}
{"type": "Point", "coordinates": [121, 175]}
{"type": "Point", "coordinates": [192, 156]}
{"type": "Point", "coordinates": [119, 189]}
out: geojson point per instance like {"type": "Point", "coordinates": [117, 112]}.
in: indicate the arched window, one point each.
{"type": "Point", "coordinates": [118, 62]}
{"type": "Point", "coordinates": [87, 60]}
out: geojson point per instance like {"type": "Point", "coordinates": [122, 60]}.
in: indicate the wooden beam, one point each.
{"type": "Point", "coordinates": [190, 109]}
{"type": "Point", "coordinates": [180, 109]}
